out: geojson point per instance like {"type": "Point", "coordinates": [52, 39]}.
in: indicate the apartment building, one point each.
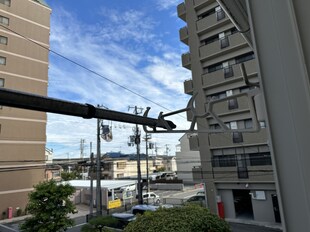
{"type": "Point", "coordinates": [118, 168]}
{"type": "Point", "coordinates": [23, 67]}
{"type": "Point", "coordinates": [235, 166]}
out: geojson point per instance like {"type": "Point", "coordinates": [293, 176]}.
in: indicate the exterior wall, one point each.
{"type": "Point", "coordinates": [205, 32]}
{"type": "Point", "coordinates": [186, 160]}
{"type": "Point", "coordinates": [23, 132]}
{"type": "Point", "coordinates": [262, 209]}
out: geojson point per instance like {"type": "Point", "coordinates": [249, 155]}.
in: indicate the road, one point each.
{"type": "Point", "coordinates": [237, 227]}
{"type": "Point", "coordinates": [168, 196]}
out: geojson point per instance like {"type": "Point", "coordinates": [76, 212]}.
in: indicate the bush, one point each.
{"type": "Point", "coordinates": [179, 219]}
{"type": "Point", "coordinates": [19, 212]}
{"type": "Point", "coordinates": [93, 224]}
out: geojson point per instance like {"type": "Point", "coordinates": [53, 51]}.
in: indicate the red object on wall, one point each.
{"type": "Point", "coordinates": [10, 212]}
{"type": "Point", "coordinates": [221, 212]}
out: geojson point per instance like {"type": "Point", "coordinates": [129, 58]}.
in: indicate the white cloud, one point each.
{"type": "Point", "coordinates": [155, 77]}
{"type": "Point", "coordinates": [166, 4]}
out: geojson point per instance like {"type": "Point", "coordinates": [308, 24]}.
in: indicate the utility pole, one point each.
{"type": "Point", "coordinates": [147, 147]}
{"type": "Point", "coordinates": [98, 172]}
{"type": "Point", "coordinates": [137, 142]}
{"type": "Point", "coordinates": [91, 172]}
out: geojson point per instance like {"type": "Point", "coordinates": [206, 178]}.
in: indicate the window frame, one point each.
{"type": "Point", "coordinates": [2, 18]}
{"type": "Point", "coordinates": [4, 60]}
{"type": "Point", "coordinates": [6, 2]}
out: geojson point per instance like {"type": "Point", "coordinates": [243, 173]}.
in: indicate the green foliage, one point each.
{"type": "Point", "coordinates": [161, 169]}
{"type": "Point", "coordinates": [178, 219]}
{"type": "Point", "coordinates": [3, 215]}
{"type": "Point", "coordinates": [100, 221]}
{"type": "Point", "coordinates": [49, 205]}
{"type": "Point", "coordinates": [19, 212]}
{"type": "Point", "coordinates": [70, 175]}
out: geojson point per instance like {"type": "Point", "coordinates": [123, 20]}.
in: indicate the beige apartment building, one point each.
{"type": "Point", "coordinates": [235, 166]}
{"type": "Point", "coordinates": [23, 67]}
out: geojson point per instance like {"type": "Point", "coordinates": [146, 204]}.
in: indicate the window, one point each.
{"type": "Point", "coordinates": [260, 159]}
{"type": "Point", "coordinates": [120, 175]}
{"type": "Point", "coordinates": [233, 104]}
{"type": "Point", "coordinates": [1, 82]}
{"type": "Point", "coordinates": [244, 57]}
{"type": "Point", "coordinates": [237, 137]}
{"type": "Point", "coordinates": [5, 2]}
{"type": "Point", "coordinates": [262, 124]}
{"type": "Point", "coordinates": [209, 40]}
{"type": "Point", "coordinates": [214, 67]}
{"type": "Point", "coordinates": [229, 93]}
{"type": "Point", "coordinates": [224, 42]}
{"type": "Point", "coordinates": [220, 14]}
{"type": "Point", "coordinates": [228, 72]}
{"type": "Point", "coordinates": [121, 165]}
{"type": "Point", "coordinates": [224, 161]}
{"type": "Point", "coordinates": [206, 14]}
{"type": "Point", "coordinates": [232, 125]}
{"type": "Point", "coordinates": [248, 123]}
{"type": "Point", "coordinates": [3, 40]}
{"type": "Point", "coordinates": [2, 60]}
{"type": "Point", "coordinates": [4, 20]}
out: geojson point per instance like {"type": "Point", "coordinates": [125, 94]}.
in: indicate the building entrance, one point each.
{"type": "Point", "coordinates": [243, 204]}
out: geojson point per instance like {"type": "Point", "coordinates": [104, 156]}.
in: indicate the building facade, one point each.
{"type": "Point", "coordinates": [187, 160]}
{"type": "Point", "coordinates": [235, 166]}
{"type": "Point", "coordinates": [23, 67]}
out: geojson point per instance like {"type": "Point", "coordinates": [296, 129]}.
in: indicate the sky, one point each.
{"type": "Point", "coordinates": [132, 43]}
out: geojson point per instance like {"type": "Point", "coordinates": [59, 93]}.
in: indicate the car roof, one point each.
{"type": "Point", "coordinates": [145, 207]}
{"type": "Point", "coordinates": [124, 216]}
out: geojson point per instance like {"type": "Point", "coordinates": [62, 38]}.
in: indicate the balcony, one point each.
{"type": "Point", "coordinates": [210, 23]}
{"type": "Point", "coordinates": [186, 60]}
{"type": "Point", "coordinates": [201, 3]}
{"type": "Point", "coordinates": [216, 49]}
{"type": "Point", "coordinates": [219, 140]}
{"type": "Point", "coordinates": [217, 78]}
{"type": "Point", "coordinates": [193, 143]}
{"type": "Point", "coordinates": [223, 107]}
{"type": "Point", "coordinates": [183, 33]}
{"type": "Point", "coordinates": [188, 87]}
{"type": "Point", "coordinates": [182, 11]}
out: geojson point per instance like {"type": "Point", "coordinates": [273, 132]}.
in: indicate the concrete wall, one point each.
{"type": "Point", "coordinates": [263, 209]}
{"type": "Point", "coordinates": [228, 200]}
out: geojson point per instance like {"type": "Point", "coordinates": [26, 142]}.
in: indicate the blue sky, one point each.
{"type": "Point", "coordinates": [133, 43]}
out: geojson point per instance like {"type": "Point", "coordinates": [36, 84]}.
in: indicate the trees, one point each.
{"type": "Point", "coordinates": [178, 219]}
{"type": "Point", "coordinates": [70, 175]}
{"type": "Point", "coordinates": [49, 205]}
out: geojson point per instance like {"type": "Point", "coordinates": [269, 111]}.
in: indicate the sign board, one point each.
{"type": "Point", "coordinates": [114, 204]}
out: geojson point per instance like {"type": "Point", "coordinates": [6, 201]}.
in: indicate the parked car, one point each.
{"type": "Point", "coordinates": [142, 208]}
{"type": "Point", "coordinates": [197, 199]}
{"type": "Point", "coordinates": [150, 198]}
{"type": "Point", "coordinates": [201, 192]}
{"type": "Point", "coordinates": [123, 219]}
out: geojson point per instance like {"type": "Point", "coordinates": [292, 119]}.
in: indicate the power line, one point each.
{"type": "Point", "coordinates": [86, 68]}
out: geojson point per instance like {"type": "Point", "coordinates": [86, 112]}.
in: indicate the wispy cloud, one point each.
{"type": "Point", "coordinates": [119, 50]}
{"type": "Point", "coordinates": [167, 4]}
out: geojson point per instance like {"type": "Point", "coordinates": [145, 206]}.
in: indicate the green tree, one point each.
{"type": "Point", "coordinates": [178, 219]}
{"type": "Point", "coordinates": [49, 205]}
{"type": "Point", "coordinates": [65, 176]}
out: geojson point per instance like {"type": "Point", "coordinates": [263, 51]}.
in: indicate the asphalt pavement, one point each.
{"type": "Point", "coordinates": [83, 210]}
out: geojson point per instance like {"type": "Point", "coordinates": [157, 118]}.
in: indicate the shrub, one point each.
{"type": "Point", "coordinates": [179, 219]}
{"type": "Point", "coordinates": [93, 224]}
